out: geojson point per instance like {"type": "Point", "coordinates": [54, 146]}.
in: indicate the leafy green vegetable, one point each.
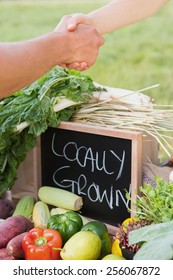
{"type": "Point", "coordinates": [155, 204]}
{"type": "Point", "coordinates": [28, 113]}
{"type": "Point", "coordinates": [158, 241]}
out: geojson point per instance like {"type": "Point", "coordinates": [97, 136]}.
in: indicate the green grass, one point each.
{"type": "Point", "coordinates": [133, 57]}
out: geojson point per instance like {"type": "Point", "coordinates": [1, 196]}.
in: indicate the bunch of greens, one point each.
{"type": "Point", "coordinates": [28, 113]}
{"type": "Point", "coordinates": [155, 204]}
{"type": "Point", "coordinates": [157, 241]}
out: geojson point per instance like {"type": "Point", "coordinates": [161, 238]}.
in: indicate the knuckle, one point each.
{"type": "Point", "coordinates": [93, 28]}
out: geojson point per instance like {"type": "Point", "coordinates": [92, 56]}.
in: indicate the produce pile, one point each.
{"type": "Point", "coordinates": [37, 230]}
{"type": "Point", "coordinates": [62, 95]}
{"type": "Point", "coordinates": [52, 228]}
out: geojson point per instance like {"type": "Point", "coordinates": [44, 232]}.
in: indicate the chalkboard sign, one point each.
{"type": "Point", "coordinates": [97, 163]}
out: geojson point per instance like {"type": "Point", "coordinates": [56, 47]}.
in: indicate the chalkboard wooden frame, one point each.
{"type": "Point", "coordinates": [136, 139]}
{"type": "Point", "coordinates": [136, 152]}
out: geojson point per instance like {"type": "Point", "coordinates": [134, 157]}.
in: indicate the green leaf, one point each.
{"type": "Point", "coordinates": [150, 232]}
{"type": "Point", "coordinates": [160, 248]}
{"type": "Point", "coordinates": [158, 241]}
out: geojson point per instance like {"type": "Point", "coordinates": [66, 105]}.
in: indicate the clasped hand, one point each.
{"type": "Point", "coordinates": [85, 52]}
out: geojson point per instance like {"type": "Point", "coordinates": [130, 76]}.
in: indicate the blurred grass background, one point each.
{"type": "Point", "coordinates": [134, 57]}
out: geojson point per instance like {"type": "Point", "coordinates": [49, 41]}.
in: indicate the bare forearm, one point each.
{"type": "Point", "coordinates": [119, 13]}
{"type": "Point", "coordinates": [23, 62]}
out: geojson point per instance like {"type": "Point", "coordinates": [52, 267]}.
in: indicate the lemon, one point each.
{"type": "Point", "coordinates": [83, 245]}
{"type": "Point", "coordinates": [113, 257]}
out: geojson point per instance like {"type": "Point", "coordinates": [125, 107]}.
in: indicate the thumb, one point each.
{"type": "Point", "coordinates": [75, 20]}
{"type": "Point", "coordinates": [71, 26]}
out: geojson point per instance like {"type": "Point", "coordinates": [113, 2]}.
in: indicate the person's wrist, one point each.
{"type": "Point", "coordinates": [92, 20]}
{"type": "Point", "coordinates": [63, 50]}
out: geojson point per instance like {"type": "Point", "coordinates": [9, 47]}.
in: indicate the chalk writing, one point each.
{"type": "Point", "coordinates": [86, 156]}
{"type": "Point", "coordinates": [93, 191]}
{"type": "Point", "coordinates": [94, 161]}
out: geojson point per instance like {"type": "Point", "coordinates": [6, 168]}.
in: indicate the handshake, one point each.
{"type": "Point", "coordinates": [73, 44]}
{"type": "Point", "coordinates": [82, 41]}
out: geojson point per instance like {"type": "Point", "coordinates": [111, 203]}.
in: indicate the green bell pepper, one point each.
{"type": "Point", "coordinates": [67, 224]}
{"type": "Point", "coordinates": [101, 230]}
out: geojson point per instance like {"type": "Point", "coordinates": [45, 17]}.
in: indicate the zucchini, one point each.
{"type": "Point", "coordinates": [25, 206]}
{"type": "Point", "coordinates": [40, 215]}
{"type": "Point", "coordinates": [60, 198]}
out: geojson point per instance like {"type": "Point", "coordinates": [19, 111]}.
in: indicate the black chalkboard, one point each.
{"type": "Point", "coordinates": [94, 164]}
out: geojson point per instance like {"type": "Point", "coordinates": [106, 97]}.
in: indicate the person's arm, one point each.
{"type": "Point", "coordinates": [23, 62]}
{"type": "Point", "coordinates": [117, 14]}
